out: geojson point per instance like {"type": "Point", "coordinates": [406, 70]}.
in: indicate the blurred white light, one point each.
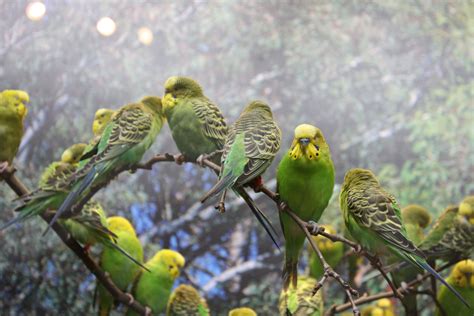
{"type": "Point", "coordinates": [106, 26]}
{"type": "Point", "coordinates": [145, 35]}
{"type": "Point", "coordinates": [35, 10]}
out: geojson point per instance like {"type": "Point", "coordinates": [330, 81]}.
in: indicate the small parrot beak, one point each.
{"type": "Point", "coordinates": [304, 141]}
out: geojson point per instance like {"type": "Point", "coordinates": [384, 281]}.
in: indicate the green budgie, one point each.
{"type": "Point", "coordinates": [251, 145]}
{"type": "Point", "coordinates": [121, 270]}
{"type": "Point", "coordinates": [186, 301]}
{"type": "Point", "coordinates": [153, 289]}
{"type": "Point", "coordinates": [300, 301]}
{"type": "Point", "coordinates": [123, 143]}
{"type": "Point", "coordinates": [12, 114]}
{"type": "Point", "coordinates": [197, 124]}
{"type": "Point", "coordinates": [242, 311]}
{"type": "Point", "coordinates": [373, 218]}
{"type": "Point", "coordinates": [462, 279]}
{"type": "Point", "coordinates": [305, 182]}
{"type": "Point", "coordinates": [452, 235]}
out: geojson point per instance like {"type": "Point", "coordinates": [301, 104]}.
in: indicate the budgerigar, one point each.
{"type": "Point", "coordinates": [101, 118]}
{"type": "Point", "coordinates": [121, 270]}
{"type": "Point", "coordinates": [415, 219]}
{"type": "Point", "coordinates": [332, 252]}
{"type": "Point", "coordinates": [123, 143]}
{"type": "Point", "coordinates": [251, 145]}
{"type": "Point", "coordinates": [186, 301]}
{"type": "Point", "coordinates": [452, 235]}
{"type": "Point", "coordinates": [305, 182]}
{"type": "Point", "coordinates": [462, 279]}
{"type": "Point", "coordinates": [197, 124]}
{"type": "Point", "coordinates": [242, 311]}
{"type": "Point", "coordinates": [12, 114]}
{"type": "Point", "coordinates": [300, 301]}
{"type": "Point", "coordinates": [49, 185]}
{"type": "Point", "coordinates": [373, 218]}
{"type": "Point", "coordinates": [153, 289]}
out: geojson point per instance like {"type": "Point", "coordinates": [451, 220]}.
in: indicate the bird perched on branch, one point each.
{"type": "Point", "coordinates": [250, 147]}
{"type": "Point", "coordinates": [121, 270]}
{"type": "Point", "coordinates": [123, 143]}
{"type": "Point", "coordinates": [462, 279]}
{"type": "Point", "coordinates": [332, 252]}
{"type": "Point", "coordinates": [452, 235]}
{"type": "Point", "coordinates": [300, 301]}
{"type": "Point", "coordinates": [153, 289]}
{"type": "Point", "coordinates": [382, 307]}
{"type": "Point", "coordinates": [186, 301]}
{"type": "Point", "coordinates": [373, 218]}
{"type": "Point", "coordinates": [13, 111]}
{"type": "Point", "coordinates": [305, 182]}
{"type": "Point", "coordinates": [197, 124]}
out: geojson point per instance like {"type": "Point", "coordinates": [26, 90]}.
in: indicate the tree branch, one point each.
{"type": "Point", "coordinates": [20, 189]}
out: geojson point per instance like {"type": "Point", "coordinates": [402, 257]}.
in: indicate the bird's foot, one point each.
{"type": "Point", "coordinates": [148, 311]}
{"type": "Point", "coordinates": [220, 207]}
{"type": "Point", "coordinates": [282, 206]}
{"type": "Point", "coordinates": [200, 160]}
{"type": "Point", "coordinates": [179, 159]}
{"type": "Point", "coordinates": [4, 166]}
{"type": "Point", "coordinates": [314, 228]}
{"type": "Point", "coordinates": [404, 288]}
{"type": "Point", "coordinates": [131, 300]}
{"type": "Point", "coordinates": [257, 184]}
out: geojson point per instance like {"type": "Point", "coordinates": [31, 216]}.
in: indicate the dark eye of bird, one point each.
{"type": "Point", "coordinates": [170, 267]}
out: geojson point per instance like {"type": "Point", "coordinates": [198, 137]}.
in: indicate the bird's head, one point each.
{"type": "Point", "coordinates": [385, 305]}
{"type": "Point", "coordinates": [18, 99]}
{"type": "Point", "coordinates": [308, 142]}
{"type": "Point", "coordinates": [416, 214]}
{"type": "Point", "coordinates": [242, 311]}
{"type": "Point", "coordinates": [154, 104]}
{"type": "Point", "coordinates": [72, 155]}
{"type": "Point", "coordinates": [180, 87]}
{"type": "Point", "coordinates": [358, 175]}
{"type": "Point", "coordinates": [323, 243]}
{"type": "Point", "coordinates": [258, 106]}
{"type": "Point", "coordinates": [173, 260]}
{"type": "Point", "coordinates": [463, 274]}
{"type": "Point", "coordinates": [101, 118]}
{"type": "Point", "coordinates": [120, 224]}
{"type": "Point", "coordinates": [466, 209]}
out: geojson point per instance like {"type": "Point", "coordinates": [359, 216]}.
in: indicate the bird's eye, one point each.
{"type": "Point", "coordinates": [170, 267]}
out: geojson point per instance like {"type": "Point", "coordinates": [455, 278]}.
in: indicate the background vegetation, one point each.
{"type": "Point", "coordinates": [390, 83]}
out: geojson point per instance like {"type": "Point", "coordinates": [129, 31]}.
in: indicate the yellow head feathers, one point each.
{"type": "Point", "coordinates": [73, 154]}
{"type": "Point", "coordinates": [463, 274]}
{"type": "Point", "coordinates": [18, 99]}
{"type": "Point", "coordinates": [258, 105]}
{"type": "Point", "coordinates": [101, 118]}
{"type": "Point", "coordinates": [308, 142]}
{"type": "Point", "coordinates": [466, 208]}
{"type": "Point", "coordinates": [173, 259]}
{"type": "Point", "coordinates": [416, 214]}
{"type": "Point", "coordinates": [119, 224]}
{"type": "Point", "coordinates": [176, 87]}
{"type": "Point", "coordinates": [242, 311]}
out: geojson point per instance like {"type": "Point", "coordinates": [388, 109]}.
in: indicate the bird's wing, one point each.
{"type": "Point", "coordinates": [379, 212]}
{"type": "Point", "coordinates": [212, 120]}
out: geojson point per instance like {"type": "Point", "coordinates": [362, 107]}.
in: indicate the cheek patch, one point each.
{"type": "Point", "coordinates": [296, 152]}
{"type": "Point", "coordinates": [311, 152]}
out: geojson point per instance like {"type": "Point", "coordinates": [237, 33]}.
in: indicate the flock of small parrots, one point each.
{"type": "Point", "coordinates": [244, 150]}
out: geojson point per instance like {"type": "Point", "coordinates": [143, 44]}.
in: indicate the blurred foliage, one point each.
{"type": "Point", "coordinates": [390, 83]}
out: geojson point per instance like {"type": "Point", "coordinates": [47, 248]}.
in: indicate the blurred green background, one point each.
{"type": "Point", "coordinates": [390, 83]}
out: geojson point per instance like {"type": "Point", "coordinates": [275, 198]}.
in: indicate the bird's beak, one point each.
{"type": "Point", "coordinates": [304, 141]}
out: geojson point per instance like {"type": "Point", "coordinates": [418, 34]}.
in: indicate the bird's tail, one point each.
{"type": "Point", "coordinates": [422, 264]}
{"type": "Point", "coordinates": [261, 217]}
{"type": "Point", "coordinates": [30, 209]}
{"type": "Point", "coordinates": [113, 245]}
{"type": "Point", "coordinates": [290, 273]}
{"type": "Point", "coordinates": [224, 183]}
{"type": "Point", "coordinates": [72, 197]}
